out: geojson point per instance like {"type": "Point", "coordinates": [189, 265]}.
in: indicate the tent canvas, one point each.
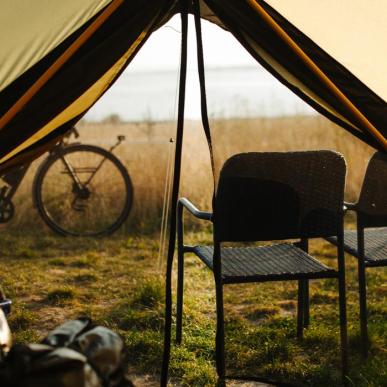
{"type": "Point", "coordinates": [67, 54]}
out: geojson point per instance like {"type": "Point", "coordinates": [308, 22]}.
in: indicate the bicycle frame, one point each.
{"type": "Point", "coordinates": [119, 140]}
{"type": "Point", "coordinates": [14, 178]}
{"type": "Point", "coordinates": [71, 171]}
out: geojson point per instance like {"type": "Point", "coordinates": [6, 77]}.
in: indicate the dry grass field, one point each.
{"type": "Point", "coordinates": [147, 152]}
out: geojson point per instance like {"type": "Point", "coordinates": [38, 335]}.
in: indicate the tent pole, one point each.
{"type": "Point", "coordinates": [175, 194]}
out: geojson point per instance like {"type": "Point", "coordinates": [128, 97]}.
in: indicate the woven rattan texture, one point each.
{"type": "Point", "coordinates": [241, 264]}
{"type": "Point", "coordinates": [375, 245]}
{"type": "Point", "coordinates": [373, 197]}
{"type": "Point", "coordinates": [316, 177]}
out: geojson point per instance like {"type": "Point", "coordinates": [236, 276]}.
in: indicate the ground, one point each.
{"type": "Point", "coordinates": [118, 281]}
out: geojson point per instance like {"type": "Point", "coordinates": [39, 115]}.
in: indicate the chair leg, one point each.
{"type": "Point", "coordinates": [304, 244]}
{"type": "Point", "coordinates": [343, 326]}
{"type": "Point", "coordinates": [363, 308]}
{"type": "Point", "coordinates": [306, 304]}
{"type": "Point", "coordinates": [300, 309]}
{"type": "Point", "coordinates": [220, 358]}
{"type": "Point", "coordinates": [180, 292]}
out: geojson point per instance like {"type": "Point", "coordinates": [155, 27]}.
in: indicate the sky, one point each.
{"type": "Point", "coordinates": [236, 84]}
{"type": "Point", "coordinates": [163, 48]}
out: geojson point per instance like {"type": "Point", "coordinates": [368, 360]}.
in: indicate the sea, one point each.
{"type": "Point", "coordinates": [231, 92]}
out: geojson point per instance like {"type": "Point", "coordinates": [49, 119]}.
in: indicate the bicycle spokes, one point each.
{"type": "Point", "coordinates": [84, 192]}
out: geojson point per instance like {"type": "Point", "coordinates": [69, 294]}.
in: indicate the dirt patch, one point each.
{"type": "Point", "coordinates": [144, 380]}
{"type": "Point", "coordinates": [239, 383]}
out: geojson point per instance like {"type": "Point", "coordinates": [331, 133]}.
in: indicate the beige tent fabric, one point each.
{"type": "Point", "coordinates": [25, 39]}
{"type": "Point", "coordinates": [354, 32]}
{"type": "Point", "coordinates": [208, 14]}
{"type": "Point", "coordinates": [84, 102]}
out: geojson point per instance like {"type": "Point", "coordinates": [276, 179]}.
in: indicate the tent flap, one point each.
{"type": "Point", "coordinates": [83, 78]}
{"type": "Point", "coordinates": [260, 38]}
{"type": "Point", "coordinates": [339, 77]}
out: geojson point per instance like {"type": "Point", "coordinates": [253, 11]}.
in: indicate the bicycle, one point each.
{"type": "Point", "coordinates": [78, 190]}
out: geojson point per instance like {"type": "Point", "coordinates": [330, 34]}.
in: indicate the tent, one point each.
{"type": "Point", "coordinates": [59, 57]}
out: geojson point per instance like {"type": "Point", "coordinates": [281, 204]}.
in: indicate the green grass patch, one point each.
{"type": "Point", "coordinates": [149, 294]}
{"type": "Point", "coordinates": [21, 318]}
{"type": "Point", "coordinates": [60, 296]}
{"type": "Point", "coordinates": [57, 262]}
{"type": "Point", "coordinates": [118, 282]}
{"type": "Point", "coordinates": [263, 312]}
{"type": "Point", "coordinates": [85, 278]}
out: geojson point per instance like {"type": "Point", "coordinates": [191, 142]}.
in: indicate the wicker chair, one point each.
{"type": "Point", "coordinates": [267, 197]}
{"type": "Point", "coordinates": [369, 242]}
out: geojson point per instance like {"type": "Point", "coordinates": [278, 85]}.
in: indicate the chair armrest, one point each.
{"type": "Point", "coordinates": [350, 206]}
{"type": "Point", "coordinates": [193, 210]}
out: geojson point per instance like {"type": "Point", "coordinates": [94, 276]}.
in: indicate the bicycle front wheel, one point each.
{"type": "Point", "coordinates": [83, 190]}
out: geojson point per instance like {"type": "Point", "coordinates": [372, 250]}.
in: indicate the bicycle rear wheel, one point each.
{"type": "Point", "coordinates": [83, 190]}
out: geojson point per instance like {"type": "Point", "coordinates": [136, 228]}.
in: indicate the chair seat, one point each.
{"type": "Point", "coordinates": [375, 245]}
{"type": "Point", "coordinates": [265, 263]}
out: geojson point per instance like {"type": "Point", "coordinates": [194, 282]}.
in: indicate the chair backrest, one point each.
{"type": "Point", "coordinates": [372, 204]}
{"type": "Point", "coordinates": [279, 195]}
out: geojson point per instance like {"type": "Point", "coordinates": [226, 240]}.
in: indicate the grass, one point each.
{"type": "Point", "coordinates": [59, 296]}
{"type": "Point", "coordinates": [118, 283]}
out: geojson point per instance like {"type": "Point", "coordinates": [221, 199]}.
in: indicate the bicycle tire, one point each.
{"type": "Point", "coordinates": [41, 176]}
